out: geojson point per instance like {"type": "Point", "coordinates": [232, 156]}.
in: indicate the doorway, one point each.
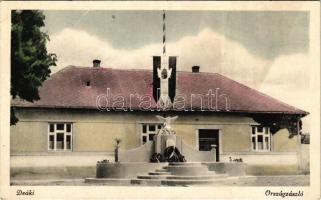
{"type": "Point", "coordinates": [207, 139]}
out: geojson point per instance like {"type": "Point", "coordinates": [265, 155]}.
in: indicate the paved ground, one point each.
{"type": "Point", "coordinates": [292, 180]}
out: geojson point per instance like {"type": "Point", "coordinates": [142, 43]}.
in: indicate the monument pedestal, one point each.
{"type": "Point", "coordinates": [163, 141]}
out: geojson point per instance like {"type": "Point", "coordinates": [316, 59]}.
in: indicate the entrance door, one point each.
{"type": "Point", "coordinates": [207, 138]}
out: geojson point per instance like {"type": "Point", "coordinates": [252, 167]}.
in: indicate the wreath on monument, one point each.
{"type": "Point", "coordinates": [157, 157]}
{"type": "Point", "coordinates": [172, 154]}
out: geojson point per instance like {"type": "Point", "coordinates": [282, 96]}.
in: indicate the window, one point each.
{"type": "Point", "coordinates": [148, 132]}
{"type": "Point", "coordinates": [60, 137]}
{"type": "Point", "coordinates": [261, 138]}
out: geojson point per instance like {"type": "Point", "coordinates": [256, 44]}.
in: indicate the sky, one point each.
{"type": "Point", "coordinates": [268, 51]}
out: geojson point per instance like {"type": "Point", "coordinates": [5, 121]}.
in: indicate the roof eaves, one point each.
{"type": "Point", "coordinates": [303, 113]}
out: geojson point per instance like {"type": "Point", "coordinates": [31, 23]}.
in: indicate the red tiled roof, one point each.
{"type": "Point", "coordinates": [67, 89]}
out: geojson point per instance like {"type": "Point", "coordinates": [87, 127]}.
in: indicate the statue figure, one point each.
{"type": "Point", "coordinates": [167, 121]}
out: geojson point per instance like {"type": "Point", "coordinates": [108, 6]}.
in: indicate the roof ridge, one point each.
{"type": "Point", "coordinates": [104, 68]}
{"type": "Point", "coordinates": [121, 69]}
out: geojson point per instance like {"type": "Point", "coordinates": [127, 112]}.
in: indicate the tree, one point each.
{"type": "Point", "coordinates": [30, 60]}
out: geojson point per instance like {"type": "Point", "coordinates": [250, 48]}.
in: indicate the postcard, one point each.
{"type": "Point", "coordinates": [160, 100]}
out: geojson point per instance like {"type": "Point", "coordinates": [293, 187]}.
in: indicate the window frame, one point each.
{"type": "Point", "coordinates": [266, 133]}
{"type": "Point", "coordinates": [148, 132]}
{"type": "Point", "coordinates": [65, 134]}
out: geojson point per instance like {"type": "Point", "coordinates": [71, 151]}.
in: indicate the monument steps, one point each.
{"type": "Point", "coordinates": [172, 182]}
{"type": "Point", "coordinates": [177, 177]}
{"type": "Point", "coordinates": [159, 173]}
{"type": "Point", "coordinates": [185, 182]}
{"type": "Point", "coordinates": [187, 169]}
{"type": "Point", "coordinates": [152, 176]}
{"type": "Point", "coordinates": [180, 174]}
{"type": "Point", "coordinates": [200, 177]}
{"type": "Point", "coordinates": [147, 182]}
{"type": "Point", "coordinates": [185, 164]}
{"type": "Point", "coordinates": [161, 170]}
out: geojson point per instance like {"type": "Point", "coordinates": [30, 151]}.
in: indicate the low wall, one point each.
{"type": "Point", "coordinates": [59, 159]}
{"type": "Point", "coordinates": [240, 169]}
{"type": "Point", "coordinates": [131, 169]}
{"type": "Point", "coordinates": [232, 169]}
{"type": "Point", "coordinates": [140, 154]}
{"type": "Point", "coordinates": [267, 169]}
{"type": "Point", "coordinates": [34, 173]}
{"type": "Point", "coordinates": [267, 163]}
{"type": "Point", "coordinates": [193, 155]}
{"type": "Point", "coordinates": [273, 158]}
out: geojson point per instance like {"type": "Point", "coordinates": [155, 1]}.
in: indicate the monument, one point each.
{"type": "Point", "coordinates": [165, 143]}
{"type": "Point", "coordinates": [167, 165]}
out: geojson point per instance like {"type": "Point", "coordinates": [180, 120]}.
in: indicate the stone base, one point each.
{"type": "Point", "coordinates": [171, 174]}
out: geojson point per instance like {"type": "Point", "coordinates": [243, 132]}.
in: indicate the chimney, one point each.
{"type": "Point", "coordinates": [96, 63]}
{"type": "Point", "coordinates": [196, 69]}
